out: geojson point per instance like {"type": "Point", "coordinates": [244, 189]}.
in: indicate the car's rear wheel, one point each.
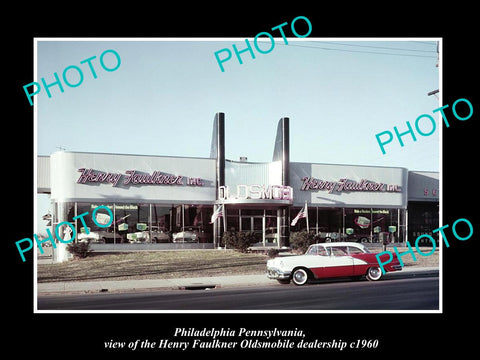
{"type": "Point", "coordinates": [300, 276]}
{"type": "Point", "coordinates": [374, 273]}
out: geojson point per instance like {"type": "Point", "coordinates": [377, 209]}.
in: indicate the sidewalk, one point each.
{"type": "Point", "coordinates": [56, 288]}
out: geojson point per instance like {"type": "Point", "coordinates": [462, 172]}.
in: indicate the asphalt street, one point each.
{"type": "Point", "coordinates": [418, 293]}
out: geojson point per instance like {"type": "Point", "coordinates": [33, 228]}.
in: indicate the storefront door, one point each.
{"type": "Point", "coordinates": [254, 224]}
{"type": "Point", "coordinates": [263, 223]}
{"type": "Point", "coordinates": [264, 227]}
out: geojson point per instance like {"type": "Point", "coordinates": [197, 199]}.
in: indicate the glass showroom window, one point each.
{"type": "Point", "coordinates": [196, 218]}
{"type": "Point", "coordinates": [96, 235]}
{"type": "Point", "coordinates": [161, 223]}
{"type": "Point", "coordinates": [62, 211]}
{"type": "Point", "coordinates": [330, 220]}
{"type": "Point", "coordinates": [271, 227]}
{"type": "Point", "coordinates": [371, 225]}
{"type": "Point", "coordinates": [330, 224]}
{"type": "Point", "coordinates": [422, 219]}
{"type": "Point", "coordinates": [132, 221]}
{"type": "Point", "coordinates": [323, 221]}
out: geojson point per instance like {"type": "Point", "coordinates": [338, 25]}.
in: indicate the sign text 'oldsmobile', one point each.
{"type": "Point", "coordinates": [270, 192]}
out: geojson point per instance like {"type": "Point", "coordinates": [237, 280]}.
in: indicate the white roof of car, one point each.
{"type": "Point", "coordinates": [343, 243]}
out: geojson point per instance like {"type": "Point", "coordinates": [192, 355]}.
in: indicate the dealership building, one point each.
{"type": "Point", "coordinates": [160, 202]}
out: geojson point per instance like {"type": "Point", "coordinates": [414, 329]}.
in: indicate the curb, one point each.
{"type": "Point", "coordinates": [412, 271]}
{"type": "Point", "coordinates": [201, 283]}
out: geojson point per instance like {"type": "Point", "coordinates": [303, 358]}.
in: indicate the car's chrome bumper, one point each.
{"type": "Point", "coordinates": [273, 273]}
{"type": "Point", "coordinates": [397, 267]}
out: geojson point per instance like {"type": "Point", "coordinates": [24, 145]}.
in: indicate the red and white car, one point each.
{"type": "Point", "coordinates": [328, 260]}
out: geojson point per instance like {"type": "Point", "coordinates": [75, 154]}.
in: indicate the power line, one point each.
{"type": "Point", "coordinates": [356, 51]}
{"type": "Point", "coordinates": [379, 47]}
{"type": "Point", "coordinates": [425, 42]}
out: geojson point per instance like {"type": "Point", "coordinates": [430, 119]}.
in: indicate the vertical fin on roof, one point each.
{"type": "Point", "coordinates": [281, 151]}
{"type": "Point", "coordinates": [217, 149]}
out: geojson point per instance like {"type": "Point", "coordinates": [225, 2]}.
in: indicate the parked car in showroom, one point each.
{"type": "Point", "coordinates": [192, 234]}
{"type": "Point", "coordinates": [99, 237]}
{"type": "Point", "coordinates": [329, 236]}
{"type": "Point", "coordinates": [329, 260]}
{"type": "Point", "coordinates": [158, 236]}
{"type": "Point", "coordinates": [186, 236]}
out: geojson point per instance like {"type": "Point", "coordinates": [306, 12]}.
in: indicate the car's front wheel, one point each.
{"type": "Point", "coordinates": [374, 274]}
{"type": "Point", "coordinates": [300, 276]}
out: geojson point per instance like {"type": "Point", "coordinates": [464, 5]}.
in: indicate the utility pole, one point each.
{"type": "Point", "coordinates": [435, 92]}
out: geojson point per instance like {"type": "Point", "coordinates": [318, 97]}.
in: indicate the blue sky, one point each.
{"type": "Point", "coordinates": [163, 98]}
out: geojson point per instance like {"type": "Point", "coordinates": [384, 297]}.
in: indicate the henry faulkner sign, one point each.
{"type": "Point", "coordinates": [311, 183]}
{"type": "Point", "coordinates": [134, 177]}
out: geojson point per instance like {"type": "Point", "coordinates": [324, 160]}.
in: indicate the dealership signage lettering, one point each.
{"type": "Point", "coordinates": [434, 192]}
{"type": "Point", "coordinates": [132, 177]}
{"type": "Point", "coordinates": [311, 183]}
{"type": "Point", "coordinates": [271, 192]}
{"type": "Point", "coordinates": [371, 211]}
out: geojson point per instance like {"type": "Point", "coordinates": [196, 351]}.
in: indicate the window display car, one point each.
{"type": "Point", "coordinates": [329, 260]}
{"type": "Point", "coordinates": [329, 236]}
{"type": "Point", "coordinates": [271, 235]}
{"type": "Point", "coordinates": [158, 236]}
{"type": "Point", "coordinates": [99, 237]}
{"type": "Point", "coordinates": [138, 237]}
{"type": "Point", "coordinates": [324, 234]}
{"type": "Point", "coordinates": [186, 236]}
{"type": "Point", "coordinates": [191, 234]}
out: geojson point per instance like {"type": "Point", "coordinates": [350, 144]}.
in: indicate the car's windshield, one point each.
{"type": "Point", "coordinates": [312, 250]}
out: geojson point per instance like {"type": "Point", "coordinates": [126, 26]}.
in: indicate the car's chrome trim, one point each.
{"type": "Point", "coordinates": [273, 273]}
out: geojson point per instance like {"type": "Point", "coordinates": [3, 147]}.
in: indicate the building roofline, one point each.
{"type": "Point", "coordinates": [122, 154]}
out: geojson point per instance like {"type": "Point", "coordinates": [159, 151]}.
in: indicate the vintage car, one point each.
{"type": "Point", "coordinates": [329, 260]}
{"type": "Point", "coordinates": [158, 236]}
{"type": "Point", "coordinates": [186, 236]}
{"type": "Point", "coordinates": [192, 234]}
{"type": "Point", "coordinates": [99, 237]}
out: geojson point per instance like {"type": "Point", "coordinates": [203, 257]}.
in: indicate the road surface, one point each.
{"type": "Point", "coordinates": [418, 293]}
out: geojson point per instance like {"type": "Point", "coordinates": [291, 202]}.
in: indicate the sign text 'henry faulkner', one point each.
{"type": "Point", "coordinates": [311, 183]}
{"type": "Point", "coordinates": [133, 177]}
